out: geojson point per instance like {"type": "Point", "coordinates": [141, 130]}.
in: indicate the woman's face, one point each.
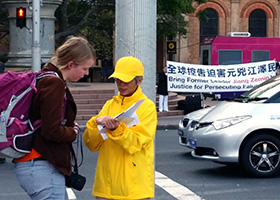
{"type": "Point", "coordinates": [77, 71]}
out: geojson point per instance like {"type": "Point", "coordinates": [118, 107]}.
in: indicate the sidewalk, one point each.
{"type": "Point", "coordinates": [172, 122]}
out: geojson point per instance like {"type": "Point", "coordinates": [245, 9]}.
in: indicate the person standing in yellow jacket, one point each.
{"type": "Point", "coordinates": [125, 167]}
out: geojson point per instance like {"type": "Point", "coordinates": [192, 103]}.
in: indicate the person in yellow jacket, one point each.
{"type": "Point", "coordinates": [125, 166]}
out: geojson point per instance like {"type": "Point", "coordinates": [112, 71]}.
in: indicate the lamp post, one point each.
{"type": "Point", "coordinates": [36, 46]}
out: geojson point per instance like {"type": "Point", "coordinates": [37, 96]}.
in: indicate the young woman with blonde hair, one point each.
{"type": "Point", "coordinates": [41, 173]}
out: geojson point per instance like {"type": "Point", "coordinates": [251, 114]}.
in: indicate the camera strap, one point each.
{"type": "Point", "coordinates": [75, 160]}
{"type": "Point", "coordinates": [77, 146]}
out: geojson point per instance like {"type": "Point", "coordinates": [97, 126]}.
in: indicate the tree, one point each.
{"type": "Point", "coordinates": [95, 19]}
{"type": "Point", "coordinates": [170, 14]}
{"type": "Point", "coordinates": [91, 19]}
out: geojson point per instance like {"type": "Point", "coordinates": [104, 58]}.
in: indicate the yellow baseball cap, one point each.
{"type": "Point", "coordinates": [127, 68]}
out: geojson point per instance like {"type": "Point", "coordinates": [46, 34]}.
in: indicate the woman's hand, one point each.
{"type": "Point", "coordinates": [76, 128]}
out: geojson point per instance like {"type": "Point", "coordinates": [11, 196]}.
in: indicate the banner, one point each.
{"type": "Point", "coordinates": [194, 78]}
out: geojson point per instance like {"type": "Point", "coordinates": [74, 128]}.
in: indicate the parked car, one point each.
{"type": "Point", "coordinates": [244, 130]}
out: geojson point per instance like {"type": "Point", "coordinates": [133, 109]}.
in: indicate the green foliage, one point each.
{"type": "Point", "coordinates": [76, 10]}
{"type": "Point", "coordinates": [99, 31]}
{"type": "Point", "coordinates": [171, 14]}
{"type": "Point", "coordinates": [203, 15]}
{"type": "Point", "coordinates": [98, 26]}
{"type": "Point", "coordinates": [174, 7]}
{"type": "Point", "coordinates": [93, 20]}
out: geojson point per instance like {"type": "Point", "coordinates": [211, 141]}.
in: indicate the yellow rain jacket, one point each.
{"type": "Point", "coordinates": [125, 167]}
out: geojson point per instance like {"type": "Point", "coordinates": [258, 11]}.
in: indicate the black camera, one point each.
{"type": "Point", "coordinates": [75, 181]}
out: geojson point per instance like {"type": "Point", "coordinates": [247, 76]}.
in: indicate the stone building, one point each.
{"type": "Point", "coordinates": [258, 17]}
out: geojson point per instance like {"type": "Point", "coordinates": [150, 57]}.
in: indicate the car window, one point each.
{"type": "Point", "coordinates": [264, 90]}
{"type": "Point", "coordinates": [274, 99]}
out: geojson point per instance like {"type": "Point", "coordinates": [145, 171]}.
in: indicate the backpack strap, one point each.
{"type": "Point", "coordinates": [41, 74]}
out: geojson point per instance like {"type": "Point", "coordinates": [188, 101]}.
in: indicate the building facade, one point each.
{"type": "Point", "coordinates": [258, 17]}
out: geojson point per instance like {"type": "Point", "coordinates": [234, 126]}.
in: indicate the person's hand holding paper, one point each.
{"type": "Point", "coordinates": [129, 117]}
{"type": "Point", "coordinates": [108, 122]}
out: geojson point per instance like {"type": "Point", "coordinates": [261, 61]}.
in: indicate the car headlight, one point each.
{"type": "Point", "coordinates": [223, 123]}
{"type": "Point", "coordinates": [183, 123]}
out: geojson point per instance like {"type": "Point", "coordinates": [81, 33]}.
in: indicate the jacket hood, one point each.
{"type": "Point", "coordinates": [51, 67]}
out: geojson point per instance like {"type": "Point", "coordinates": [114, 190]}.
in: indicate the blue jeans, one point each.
{"type": "Point", "coordinates": [40, 180]}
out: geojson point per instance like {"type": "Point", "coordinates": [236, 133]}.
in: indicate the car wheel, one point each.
{"type": "Point", "coordinates": [261, 156]}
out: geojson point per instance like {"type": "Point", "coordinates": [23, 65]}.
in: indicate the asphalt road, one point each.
{"type": "Point", "coordinates": [209, 180]}
{"type": "Point", "coordinates": [186, 177]}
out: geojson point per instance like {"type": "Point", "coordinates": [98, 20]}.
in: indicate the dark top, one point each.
{"type": "Point", "coordinates": [162, 84]}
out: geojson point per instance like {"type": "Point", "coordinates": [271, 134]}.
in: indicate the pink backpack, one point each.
{"type": "Point", "coordinates": [16, 92]}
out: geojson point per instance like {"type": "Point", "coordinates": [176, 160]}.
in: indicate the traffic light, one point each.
{"type": "Point", "coordinates": [21, 17]}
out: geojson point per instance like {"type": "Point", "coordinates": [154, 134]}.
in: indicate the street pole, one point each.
{"type": "Point", "coordinates": [36, 47]}
{"type": "Point", "coordinates": [136, 36]}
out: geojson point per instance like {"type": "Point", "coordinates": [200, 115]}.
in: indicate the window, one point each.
{"type": "Point", "coordinates": [257, 23]}
{"type": "Point", "coordinates": [258, 55]}
{"type": "Point", "coordinates": [209, 28]}
{"type": "Point", "coordinates": [230, 57]}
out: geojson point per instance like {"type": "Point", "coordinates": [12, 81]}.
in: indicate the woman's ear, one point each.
{"type": "Point", "coordinates": [70, 64]}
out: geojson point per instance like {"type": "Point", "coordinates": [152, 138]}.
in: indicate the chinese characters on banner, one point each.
{"type": "Point", "coordinates": [184, 77]}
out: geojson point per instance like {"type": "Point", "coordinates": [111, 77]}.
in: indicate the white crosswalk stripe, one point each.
{"type": "Point", "coordinates": [71, 195]}
{"type": "Point", "coordinates": [175, 189]}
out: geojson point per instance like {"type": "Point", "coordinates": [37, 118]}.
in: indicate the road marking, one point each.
{"type": "Point", "coordinates": [71, 195]}
{"type": "Point", "coordinates": [175, 189]}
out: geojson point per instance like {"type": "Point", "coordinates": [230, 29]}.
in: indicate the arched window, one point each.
{"type": "Point", "coordinates": [209, 28]}
{"type": "Point", "coordinates": [257, 23]}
